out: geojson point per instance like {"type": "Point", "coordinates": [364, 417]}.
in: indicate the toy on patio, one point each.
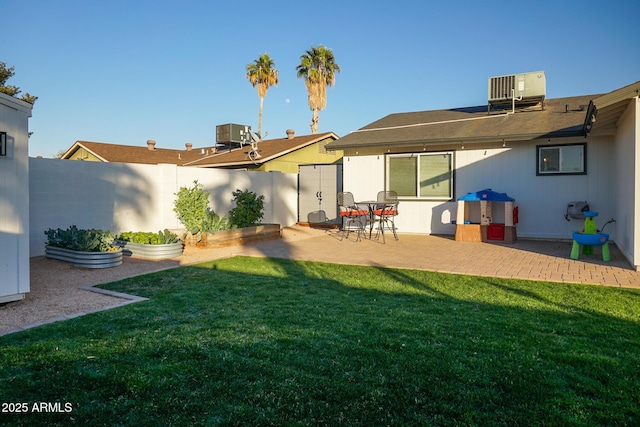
{"type": "Point", "coordinates": [590, 237]}
{"type": "Point", "coordinates": [486, 229]}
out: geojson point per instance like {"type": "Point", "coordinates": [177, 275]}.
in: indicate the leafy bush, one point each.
{"type": "Point", "coordinates": [192, 209]}
{"type": "Point", "coordinates": [248, 211]}
{"type": "Point", "coordinates": [148, 238]}
{"type": "Point", "coordinates": [76, 239]}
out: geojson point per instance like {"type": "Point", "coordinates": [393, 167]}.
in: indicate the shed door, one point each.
{"type": "Point", "coordinates": [318, 187]}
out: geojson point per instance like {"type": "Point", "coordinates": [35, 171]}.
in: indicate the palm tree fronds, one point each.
{"type": "Point", "coordinates": [262, 74]}
{"type": "Point", "coordinates": [318, 68]}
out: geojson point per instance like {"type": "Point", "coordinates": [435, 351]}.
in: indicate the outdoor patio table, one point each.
{"type": "Point", "coordinates": [371, 205]}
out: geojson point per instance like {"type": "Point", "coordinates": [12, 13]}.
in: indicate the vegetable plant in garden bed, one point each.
{"type": "Point", "coordinates": [88, 248]}
{"type": "Point", "coordinates": [249, 209]}
{"type": "Point", "coordinates": [192, 208]}
{"type": "Point", "coordinates": [205, 228]}
{"type": "Point", "coordinates": [244, 219]}
{"type": "Point", "coordinates": [160, 245]}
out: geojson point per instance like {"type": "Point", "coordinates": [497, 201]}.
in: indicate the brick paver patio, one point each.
{"type": "Point", "coordinates": [525, 259]}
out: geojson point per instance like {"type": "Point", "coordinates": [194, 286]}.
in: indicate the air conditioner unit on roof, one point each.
{"type": "Point", "coordinates": [525, 89]}
{"type": "Point", "coordinates": [232, 133]}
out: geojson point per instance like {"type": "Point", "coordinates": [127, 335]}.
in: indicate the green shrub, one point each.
{"type": "Point", "coordinates": [76, 239]}
{"type": "Point", "coordinates": [148, 238]}
{"type": "Point", "coordinates": [248, 211]}
{"type": "Point", "coordinates": [192, 209]}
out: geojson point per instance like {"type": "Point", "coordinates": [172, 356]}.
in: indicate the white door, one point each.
{"type": "Point", "coordinates": [318, 186]}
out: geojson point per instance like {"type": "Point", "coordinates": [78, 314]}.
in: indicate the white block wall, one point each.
{"type": "Point", "coordinates": [134, 197]}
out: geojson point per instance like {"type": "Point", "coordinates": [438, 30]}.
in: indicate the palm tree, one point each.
{"type": "Point", "coordinates": [261, 73]}
{"type": "Point", "coordinates": [318, 68]}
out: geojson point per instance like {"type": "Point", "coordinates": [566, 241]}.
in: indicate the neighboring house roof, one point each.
{"type": "Point", "coordinates": [561, 117]}
{"type": "Point", "coordinates": [118, 153]}
{"type": "Point", "coordinates": [268, 149]}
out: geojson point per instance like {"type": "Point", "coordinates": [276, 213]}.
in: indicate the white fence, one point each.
{"type": "Point", "coordinates": [134, 197]}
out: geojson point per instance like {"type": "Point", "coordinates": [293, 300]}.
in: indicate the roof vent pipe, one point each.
{"type": "Point", "coordinates": [189, 146]}
{"type": "Point", "coordinates": [151, 144]}
{"type": "Point", "coordinates": [290, 133]}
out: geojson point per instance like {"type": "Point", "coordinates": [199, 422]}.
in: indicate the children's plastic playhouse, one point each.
{"type": "Point", "coordinates": [480, 226]}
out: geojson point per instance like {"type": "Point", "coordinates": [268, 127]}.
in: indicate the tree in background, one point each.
{"type": "Point", "coordinates": [6, 74]}
{"type": "Point", "coordinates": [318, 68]}
{"type": "Point", "coordinates": [262, 73]}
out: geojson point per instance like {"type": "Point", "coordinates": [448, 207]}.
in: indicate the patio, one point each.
{"type": "Point", "coordinates": [525, 259]}
{"type": "Point", "coordinates": [59, 290]}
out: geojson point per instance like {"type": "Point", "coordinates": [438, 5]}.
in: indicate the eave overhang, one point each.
{"type": "Point", "coordinates": [605, 111]}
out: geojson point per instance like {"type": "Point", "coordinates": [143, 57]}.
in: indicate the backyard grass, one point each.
{"type": "Point", "coordinates": [249, 341]}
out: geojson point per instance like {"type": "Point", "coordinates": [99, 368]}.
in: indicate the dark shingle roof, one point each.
{"type": "Point", "coordinates": [561, 117]}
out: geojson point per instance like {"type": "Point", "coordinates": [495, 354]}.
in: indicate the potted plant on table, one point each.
{"type": "Point", "coordinates": [88, 248]}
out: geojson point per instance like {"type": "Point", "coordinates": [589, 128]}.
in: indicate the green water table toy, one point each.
{"type": "Point", "coordinates": [590, 237]}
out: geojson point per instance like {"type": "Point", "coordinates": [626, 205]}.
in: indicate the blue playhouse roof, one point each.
{"type": "Point", "coordinates": [487, 195]}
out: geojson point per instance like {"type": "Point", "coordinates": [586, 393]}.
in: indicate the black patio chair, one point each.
{"type": "Point", "coordinates": [351, 214]}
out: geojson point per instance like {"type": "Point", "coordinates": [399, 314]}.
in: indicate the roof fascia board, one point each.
{"type": "Point", "coordinates": [610, 105]}
{"type": "Point", "coordinates": [618, 95]}
{"type": "Point", "coordinates": [16, 104]}
{"type": "Point", "coordinates": [496, 138]}
{"type": "Point", "coordinates": [224, 165]}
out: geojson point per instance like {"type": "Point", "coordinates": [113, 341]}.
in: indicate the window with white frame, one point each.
{"type": "Point", "coordinates": [567, 159]}
{"type": "Point", "coordinates": [421, 176]}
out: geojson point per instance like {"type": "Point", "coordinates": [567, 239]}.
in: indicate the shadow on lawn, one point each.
{"type": "Point", "coordinates": [265, 341]}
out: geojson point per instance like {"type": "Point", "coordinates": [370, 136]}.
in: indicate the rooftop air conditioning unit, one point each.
{"type": "Point", "coordinates": [233, 134]}
{"type": "Point", "coordinates": [521, 89]}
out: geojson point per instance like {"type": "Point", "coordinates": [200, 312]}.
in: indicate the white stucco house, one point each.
{"type": "Point", "coordinates": [545, 153]}
{"type": "Point", "coordinates": [14, 198]}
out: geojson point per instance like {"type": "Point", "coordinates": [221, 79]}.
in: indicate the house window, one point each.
{"type": "Point", "coordinates": [561, 159]}
{"type": "Point", "coordinates": [421, 176]}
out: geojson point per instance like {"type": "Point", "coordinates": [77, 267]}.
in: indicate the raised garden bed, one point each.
{"type": "Point", "coordinates": [85, 259]}
{"type": "Point", "coordinates": [163, 251]}
{"type": "Point", "coordinates": [237, 236]}
{"type": "Point", "coordinates": [144, 244]}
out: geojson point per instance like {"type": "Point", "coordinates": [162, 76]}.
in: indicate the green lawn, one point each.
{"type": "Point", "coordinates": [249, 341]}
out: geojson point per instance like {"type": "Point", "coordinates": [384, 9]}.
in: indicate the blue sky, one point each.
{"type": "Point", "coordinates": [128, 71]}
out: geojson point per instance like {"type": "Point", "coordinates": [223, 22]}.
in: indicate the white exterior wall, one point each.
{"type": "Point", "coordinates": [542, 200]}
{"type": "Point", "coordinates": [134, 197]}
{"type": "Point", "coordinates": [14, 200]}
{"type": "Point", "coordinates": [627, 182]}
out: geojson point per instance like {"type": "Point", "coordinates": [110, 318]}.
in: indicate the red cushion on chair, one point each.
{"type": "Point", "coordinates": [354, 213]}
{"type": "Point", "coordinates": [387, 212]}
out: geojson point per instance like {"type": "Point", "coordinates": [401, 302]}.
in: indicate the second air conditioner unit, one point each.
{"type": "Point", "coordinates": [523, 89]}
